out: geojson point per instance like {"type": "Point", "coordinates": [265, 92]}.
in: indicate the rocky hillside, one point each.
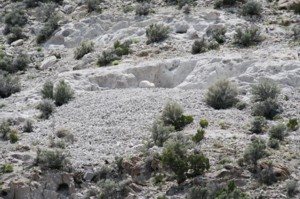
{"type": "Point", "coordinates": [157, 99]}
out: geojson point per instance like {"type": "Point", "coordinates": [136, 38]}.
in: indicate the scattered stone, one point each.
{"type": "Point", "coordinates": [48, 62]}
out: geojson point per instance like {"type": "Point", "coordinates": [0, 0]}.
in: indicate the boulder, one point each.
{"type": "Point", "coordinates": [146, 84]}
{"type": "Point", "coordinates": [18, 42]}
{"type": "Point", "coordinates": [181, 27]}
{"type": "Point", "coordinates": [48, 62]}
{"type": "Point", "coordinates": [286, 4]}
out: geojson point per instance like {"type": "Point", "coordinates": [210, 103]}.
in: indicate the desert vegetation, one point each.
{"type": "Point", "coordinates": [149, 99]}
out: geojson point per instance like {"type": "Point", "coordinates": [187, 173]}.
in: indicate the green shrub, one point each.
{"type": "Point", "coordinates": [157, 33]}
{"type": "Point", "coordinates": [9, 84]}
{"type": "Point", "coordinates": [241, 105]}
{"type": "Point", "coordinates": [7, 168]}
{"type": "Point", "coordinates": [46, 107]}
{"type": "Point", "coordinates": [255, 151]}
{"type": "Point", "coordinates": [274, 143]}
{"type": "Point", "coordinates": [258, 125]}
{"type": "Point", "coordinates": [221, 95]}
{"type": "Point", "coordinates": [264, 90]}
{"type": "Point", "coordinates": [20, 63]}
{"type": "Point", "coordinates": [15, 18]}
{"type": "Point", "coordinates": [48, 29]}
{"type": "Point", "coordinates": [160, 132]}
{"type": "Point", "coordinates": [63, 93]}
{"type": "Point", "coordinates": [230, 192]}
{"type": "Point", "coordinates": [278, 131]}
{"type": "Point", "coordinates": [267, 175]}
{"type": "Point", "coordinates": [199, 136]}
{"type": "Point", "coordinates": [174, 157]}
{"type": "Point", "coordinates": [16, 33]}
{"type": "Point", "coordinates": [268, 108]}
{"type": "Point", "coordinates": [5, 62]}
{"type": "Point", "coordinates": [199, 46]}
{"type": "Point", "coordinates": [247, 37]}
{"type": "Point", "coordinates": [292, 188]}
{"type": "Point", "coordinates": [28, 127]}
{"type": "Point", "coordinates": [179, 3]}
{"type": "Point", "coordinates": [203, 123]}
{"type": "Point", "coordinates": [61, 133]}
{"type": "Point", "coordinates": [142, 9]}
{"type": "Point", "coordinates": [293, 124]}
{"type": "Point", "coordinates": [121, 49]}
{"type": "Point", "coordinates": [5, 129]}
{"type": "Point", "coordinates": [173, 115]}
{"type": "Point", "coordinates": [296, 32]}
{"type": "Point", "coordinates": [198, 192]}
{"type": "Point", "coordinates": [296, 8]}
{"type": "Point", "coordinates": [48, 159]}
{"type": "Point", "coordinates": [111, 189]}
{"type": "Point", "coordinates": [47, 90]}
{"type": "Point", "coordinates": [107, 58]}
{"type": "Point", "coordinates": [13, 136]}
{"type": "Point", "coordinates": [251, 8]}
{"type": "Point", "coordinates": [84, 48]}
{"type": "Point", "coordinates": [186, 9]}
{"type": "Point", "coordinates": [198, 163]}
{"type": "Point", "coordinates": [93, 5]}
{"type": "Point", "coordinates": [219, 34]}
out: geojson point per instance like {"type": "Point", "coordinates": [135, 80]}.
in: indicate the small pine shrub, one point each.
{"type": "Point", "coordinates": [264, 90]}
{"type": "Point", "coordinates": [46, 107]}
{"type": "Point", "coordinates": [7, 168]}
{"type": "Point", "coordinates": [203, 123]}
{"type": "Point", "coordinates": [268, 108]}
{"type": "Point", "coordinates": [199, 136]}
{"type": "Point", "coordinates": [186, 9]}
{"type": "Point", "coordinates": [107, 58]}
{"type": "Point", "coordinates": [49, 28]}
{"type": "Point", "coordinates": [179, 3]}
{"type": "Point", "coordinates": [5, 62]}
{"type": "Point", "coordinates": [20, 63]}
{"type": "Point", "coordinates": [16, 33]}
{"type": "Point", "coordinates": [241, 105]}
{"type": "Point", "coordinates": [9, 84]}
{"type": "Point", "coordinates": [47, 90]}
{"type": "Point", "coordinates": [61, 133]}
{"type": "Point", "coordinates": [93, 5]}
{"type": "Point", "coordinates": [157, 33]}
{"type": "Point", "coordinates": [258, 125]}
{"type": "Point", "coordinates": [296, 32]}
{"type": "Point", "coordinates": [173, 115]}
{"type": "Point", "coordinates": [230, 192]}
{"type": "Point", "coordinates": [15, 18]}
{"type": "Point", "coordinates": [142, 9]}
{"type": "Point", "coordinates": [221, 95]}
{"type": "Point", "coordinates": [296, 8]}
{"type": "Point", "coordinates": [292, 188]}
{"type": "Point", "coordinates": [219, 34]}
{"type": "Point", "coordinates": [48, 159]}
{"type": "Point", "coordinates": [160, 132]}
{"type": "Point", "coordinates": [28, 127]}
{"type": "Point", "coordinates": [274, 143]}
{"type": "Point", "coordinates": [251, 8]}
{"type": "Point", "coordinates": [255, 151]}
{"type": "Point", "coordinates": [63, 93]}
{"type": "Point", "coordinates": [121, 49]}
{"type": "Point", "coordinates": [198, 192]}
{"type": "Point", "coordinates": [267, 175]}
{"type": "Point", "coordinates": [13, 136]}
{"type": "Point", "coordinates": [198, 163]}
{"type": "Point", "coordinates": [278, 131]}
{"type": "Point", "coordinates": [111, 189]}
{"type": "Point", "coordinates": [247, 37]}
{"type": "Point", "coordinates": [293, 124]}
{"type": "Point", "coordinates": [174, 157]}
{"type": "Point", "coordinates": [5, 129]}
{"type": "Point", "coordinates": [199, 46]}
{"type": "Point", "coordinates": [84, 48]}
